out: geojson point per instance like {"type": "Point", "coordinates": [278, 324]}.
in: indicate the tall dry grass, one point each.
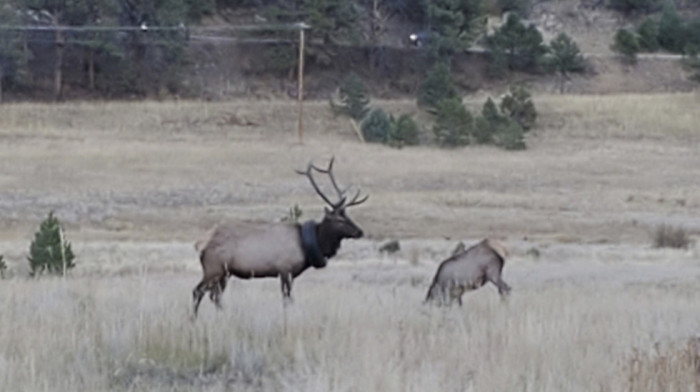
{"type": "Point", "coordinates": [133, 333]}
{"type": "Point", "coordinates": [628, 116]}
{"type": "Point", "coordinates": [596, 166]}
{"type": "Point", "coordinates": [601, 169]}
{"type": "Point", "coordinates": [674, 368]}
{"type": "Point", "coordinates": [589, 116]}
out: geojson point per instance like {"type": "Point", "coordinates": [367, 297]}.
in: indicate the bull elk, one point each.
{"type": "Point", "coordinates": [283, 249]}
{"type": "Point", "coordinates": [469, 270]}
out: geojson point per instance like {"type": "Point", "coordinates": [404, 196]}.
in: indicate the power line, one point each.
{"type": "Point", "coordinates": [197, 34]}
{"type": "Point", "coordinates": [242, 40]}
{"type": "Point", "coordinates": [145, 27]}
{"type": "Point", "coordinates": [88, 28]}
{"type": "Point", "coordinates": [195, 39]}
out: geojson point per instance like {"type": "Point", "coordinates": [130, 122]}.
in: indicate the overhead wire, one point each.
{"type": "Point", "coordinates": [196, 34]}
{"type": "Point", "coordinates": [146, 27]}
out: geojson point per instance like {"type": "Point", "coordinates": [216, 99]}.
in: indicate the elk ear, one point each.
{"type": "Point", "coordinates": [327, 211]}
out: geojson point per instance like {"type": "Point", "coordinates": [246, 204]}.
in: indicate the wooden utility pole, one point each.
{"type": "Point", "coordinates": [59, 42]}
{"type": "Point", "coordinates": [63, 249]}
{"type": "Point", "coordinates": [300, 94]}
{"type": "Point", "coordinates": [1, 76]}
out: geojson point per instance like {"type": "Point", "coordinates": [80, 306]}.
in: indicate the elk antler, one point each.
{"type": "Point", "coordinates": [342, 197]}
{"type": "Point", "coordinates": [329, 171]}
{"type": "Point", "coordinates": [309, 174]}
{"type": "Point", "coordinates": [355, 202]}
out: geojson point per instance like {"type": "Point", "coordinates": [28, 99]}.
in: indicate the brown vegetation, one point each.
{"type": "Point", "coordinates": [136, 183]}
{"type": "Point", "coordinates": [667, 236]}
{"type": "Point", "coordinates": [676, 368]}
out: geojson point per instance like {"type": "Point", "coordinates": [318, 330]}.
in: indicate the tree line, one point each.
{"type": "Point", "coordinates": [147, 52]}
{"type": "Point", "coordinates": [668, 31]}
{"type": "Point", "coordinates": [55, 33]}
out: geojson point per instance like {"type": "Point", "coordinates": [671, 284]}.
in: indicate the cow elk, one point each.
{"type": "Point", "coordinates": [282, 249]}
{"type": "Point", "coordinates": [469, 270]}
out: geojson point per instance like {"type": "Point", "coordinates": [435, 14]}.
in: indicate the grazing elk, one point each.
{"type": "Point", "coordinates": [469, 270]}
{"type": "Point", "coordinates": [284, 249]}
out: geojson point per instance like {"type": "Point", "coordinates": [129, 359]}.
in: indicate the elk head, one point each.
{"type": "Point", "coordinates": [336, 225]}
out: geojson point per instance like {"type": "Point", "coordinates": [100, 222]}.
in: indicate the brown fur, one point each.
{"type": "Point", "coordinates": [258, 249]}
{"type": "Point", "coordinates": [469, 270]}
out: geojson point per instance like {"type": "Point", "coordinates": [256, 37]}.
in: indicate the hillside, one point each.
{"type": "Point", "coordinates": [589, 23]}
{"type": "Point", "coordinates": [215, 58]}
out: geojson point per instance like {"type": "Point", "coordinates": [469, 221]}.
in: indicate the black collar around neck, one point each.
{"type": "Point", "coordinates": [310, 245]}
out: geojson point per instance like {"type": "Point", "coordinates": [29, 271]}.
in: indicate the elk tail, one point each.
{"type": "Point", "coordinates": [201, 244]}
{"type": "Point", "coordinates": [200, 247]}
{"type": "Point", "coordinates": [498, 248]}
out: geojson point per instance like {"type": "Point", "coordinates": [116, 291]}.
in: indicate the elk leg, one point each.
{"type": "Point", "coordinates": [217, 290]}
{"type": "Point", "coordinates": [213, 286]}
{"type": "Point", "coordinates": [434, 295]}
{"type": "Point", "coordinates": [445, 296]}
{"type": "Point", "coordinates": [286, 282]}
{"type": "Point", "coordinates": [456, 291]}
{"type": "Point", "coordinates": [197, 295]}
{"type": "Point", "coordinates": [503, 288]}
{"type": "Point", "coordinates": [495, 278]}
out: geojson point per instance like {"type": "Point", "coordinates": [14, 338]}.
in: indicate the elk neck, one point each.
{"type": "Point", "coordinates": [313, 255]}
{"type": "Point", "coordinates": [328, 240]}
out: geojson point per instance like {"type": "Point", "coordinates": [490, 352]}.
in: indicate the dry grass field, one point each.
{"type": "Point", "coordinates": [594, 306]}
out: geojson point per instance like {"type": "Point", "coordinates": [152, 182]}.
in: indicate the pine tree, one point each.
{"type": "Point", "coordinates": [519, 106]}
{"type": "Point", "coordinates": [59, 14]}
{"type": "Point", "coordinates": [632, 6]}
{"type": "Point", "coordinates": [99, 43]}
{"type": "Point", "coordinates": [522, 45]}
{"type": "Point", "coordinates": [453, 124]}
{"type": "Point", "coordinates": [626, 44]}
{"type": "Point", "coordinates": [671, 29]}
{"type": "Point", "coordinates": [404, 132]}
{"type": "Point", "coordinates": [494, 127]}
{"type": "Point", "coordinates": [437, 86]}
{"type": "Point", "coordinates": [521, 7]}
{"type": "Point", "coordinates": [334, 21]}
{"type": "Point", "coordinates": [12, 57]}
{"type": "Point", "coordinates": [376, 126]}
{"type": "Point", "coordinates": [488, 123]}
{"type": "Point", "coordinates": [510, 136]}
{"type": "Point", "coordinates": [197, 9]}
{"type": "Point", "coordinates": [648, 33]}
{"type": "Point", "coordinates": [565, 58]}
{"type": "Point", "coordinates": [50, 252]}
{"type": "Point", "coordinates": [3, 267]}
{"type": "Point", "coordinates": [455, 24]}
{"type": "Point", "coordinates": [153, 58]}
{"type": "Point", "coordinates": [353, 97]}
{"type": "Point", "coordinates": [692, 33]}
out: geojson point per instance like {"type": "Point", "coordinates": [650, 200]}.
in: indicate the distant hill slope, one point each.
{"type": "Point", "coordinates": [219, 65]}
{"type": "Point", "coordinates": [588, 22]}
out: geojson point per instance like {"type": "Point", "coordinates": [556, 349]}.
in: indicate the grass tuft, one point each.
{"type": "Point", "coordinates": [672, 369]}
{"type": "Point", "coordinates": [667, 236]}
